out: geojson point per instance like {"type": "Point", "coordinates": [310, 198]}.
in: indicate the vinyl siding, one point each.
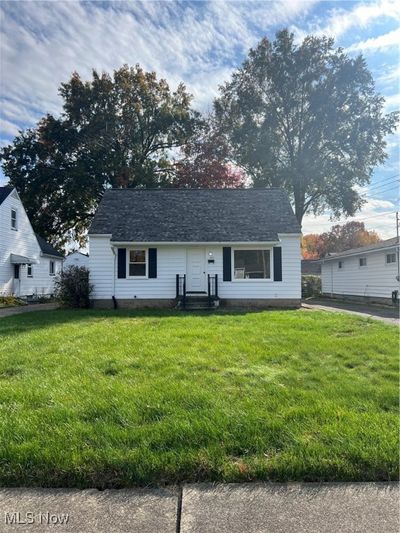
{"type": "Point", "coordinates": [22, 242]}
{"type": "Point", "coordinates": [171, 260]}
{"type": "Point", "coordinates": [377, 279]}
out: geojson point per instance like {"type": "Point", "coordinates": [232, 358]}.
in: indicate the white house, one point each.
{"type": "Point", "coordinates": [28, 264]}
{"type": "Point", "coordinates": [238, 247]}
{"type": "Point", "coordinates": [76, 259]}
{"type": "Point", "coordinates": [367, 273]}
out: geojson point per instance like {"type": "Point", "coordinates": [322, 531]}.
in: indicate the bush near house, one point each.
{"type": "Point", "coordinates": [72, 287]}
{"type": "Point", "coordinates": [116, 398]}
{"type": "Point", "coordinates": [310, 285]}
{"type": "Point", "coordinates": [10, 301]}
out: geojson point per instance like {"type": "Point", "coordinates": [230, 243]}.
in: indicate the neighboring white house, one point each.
{"type": "Point", "coordinates": [234, 246]}
{"type": "Point", "coordinates": [27, 263]}
{"type": "Point", "coordinates": [76, 259]}
{"type": "Point", "coordinates": [367, 273]}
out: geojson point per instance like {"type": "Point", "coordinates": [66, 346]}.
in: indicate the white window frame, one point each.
{"type": "Point", "coordinates": [359, 262]}
{"type": "Point", "coordinates": [252, 280]}
{"type": "Point", "coordinates": [14, 219]}
{"type": "Point", "coordinates": [52, 271]}
{"type": "Point", "coordinates": [29, 267]}
{"type": "Point", "coordinates": [146, 252]}
{"type": "Point", "coordinates": [340, 265]}
{"type": "Point", "coordinates": [391, 262]}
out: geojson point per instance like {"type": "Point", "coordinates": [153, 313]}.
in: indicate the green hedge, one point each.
{"type": "Point", "coordinates": [310, 285]}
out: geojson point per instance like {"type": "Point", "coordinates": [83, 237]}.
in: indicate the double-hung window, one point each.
{"type": "Point", "coordinates": [14, 219]}
{"type": "Point", "coordinates": [340, 264]}
{"type": "Point", "coordinates": [52, 270]}
{"type": "Point", "coordinates": [137, 263]}
{"type": "Point", "coordinates": [29, 271]}
{"type": "Point", "coordinates": [390, 258]}
{"type": "Point", "coordinates": [251, 264]}
{"type": "Point", "coordinates": [362, 261]}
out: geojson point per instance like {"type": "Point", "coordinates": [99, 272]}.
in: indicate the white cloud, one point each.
{"type": "Point", "coordinates": [378, 215]}
{"type": "Point", "coordinates": [387, 40]}
{"type": "Point", "coordinates": [8, 129]}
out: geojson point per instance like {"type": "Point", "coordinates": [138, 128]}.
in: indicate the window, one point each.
{"type": "Point", "coordinates": [340, 264]}
{"type": "Point", "coordinates": [29, 271]}
{"type": "Point", "coordinates": [390, 258]}
{"type": "Point", "coordinates": [14, 219]}
{"type": "Point", "coordinates": [52, 270]}
{"type": "Point", "coordinates": [252, 264]}
{"type": "Point", "coordinates": [362, 262]}
{"type": "Point", "coordinates": [137, 263]}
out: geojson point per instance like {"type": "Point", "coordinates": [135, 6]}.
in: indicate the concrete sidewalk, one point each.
{"type": "Point", "coordinates": [206, 508]}
{"type": "Point", "coordinates": [9, 311]}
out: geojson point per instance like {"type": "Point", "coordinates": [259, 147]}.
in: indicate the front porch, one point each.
{"type": "Point", "coordinates": [196, 300]}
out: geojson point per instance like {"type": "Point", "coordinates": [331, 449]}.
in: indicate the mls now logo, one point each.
{"type": "Point", "coordinates": [32, 518]}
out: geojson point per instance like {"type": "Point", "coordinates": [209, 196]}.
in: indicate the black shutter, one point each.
{"type": "Point", "coordinates": [121, 262]}
{"type": "Point", "coordinates": [227, 263]}
{"type": "Point", "coordinates": [277, 263]}
{"type": "Point", "coordinates": [152, 262]}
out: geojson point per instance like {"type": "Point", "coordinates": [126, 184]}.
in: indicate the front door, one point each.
{"type": "Point", "coordinates": [16, 281]}
{"type": "Point", "coordinates": [196, 270]}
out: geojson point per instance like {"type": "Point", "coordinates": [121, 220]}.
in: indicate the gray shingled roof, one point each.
{"type": "Point", "coordinates": [4, 192]}
{"type": "Point", "coordinates": [363, 249]}
{"type": "Point", "coordinates": [194, 215]}
{"type": "Point", "coordinates": [47, 248]}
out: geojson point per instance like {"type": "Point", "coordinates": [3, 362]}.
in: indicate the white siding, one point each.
{"type": "Point", "coordinates": [21, 242]}
{"type": "Point", "coordinates": [377, 279]}
{"type": "Point", "coordinates": [171, 260]}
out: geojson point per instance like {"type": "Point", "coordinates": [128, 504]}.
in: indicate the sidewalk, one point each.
{"type": "Point", "coordinates": [206, 508]}
{"type": "Point", "coordinates": [9, 311]}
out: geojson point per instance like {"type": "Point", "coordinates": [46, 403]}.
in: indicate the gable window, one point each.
{"type": "Point", "coordinates": [52, 270]}
{"type": "Point", "coordinates": [252, 264]}
{"type": "Point", "coordinates": [340, 264]}
{"type": "Point", "coordinates": [362, 262]}
{"type": "Point", "coordinates": [137, 263]}
{"type": "Point", "coordinates": [29, 271]}
{"type": "Point", "coordinates": [14, 219]}
{"type": "Point", "coordinates": [390, 258]}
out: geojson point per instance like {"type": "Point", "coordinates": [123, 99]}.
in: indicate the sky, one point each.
{"type": "Point", "coordinates": [199, 43]}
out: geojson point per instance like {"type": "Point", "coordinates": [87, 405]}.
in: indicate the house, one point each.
{"type": "Point", "coordinates": [152, 247]}
{"type": "Point", "coordinates": [311, 267]}
{"type": "Point", "coordinates": [368, 273]}
{"type": "Point", "coordinates": [76, 259]}
{"type": "Point", "coordinates": [28, 264]}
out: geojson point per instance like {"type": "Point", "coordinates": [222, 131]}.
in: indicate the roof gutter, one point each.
{"type": "Point", "coordinates": [340, 256]}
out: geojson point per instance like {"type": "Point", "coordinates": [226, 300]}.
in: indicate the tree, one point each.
{"type": "Point", "coordinates": [206, 163]}
{"type": "Point", "coordinates": [339, 239]}
{"type": "Point", "coordinates": [306, 118]}
{"type": "Point", "coordinates": [114, 131]}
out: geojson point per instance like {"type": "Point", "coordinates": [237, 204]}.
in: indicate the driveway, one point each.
{"type": "Point", "coordinates": [206, 508]}
{"type": "Point", "coordinates": [390, 315]}
{"type": "Point", "coordinates": [9, 311]}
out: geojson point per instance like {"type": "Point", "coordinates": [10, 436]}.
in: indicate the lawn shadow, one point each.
{"type": "Point", "coordinates": [35, 320]}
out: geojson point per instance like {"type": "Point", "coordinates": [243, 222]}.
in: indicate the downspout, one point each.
{"type": "Point", "coordinates": [113, 296]}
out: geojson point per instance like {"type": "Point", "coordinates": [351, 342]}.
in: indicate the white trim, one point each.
{"type": "Point", "coordinates": [375, 250]}
{"type": "Point", "coordinates": [359, 263]}
{"type": "Point", "coordinates": [146, 252]}
{"type": "Point", "coordinates": [252, 280]}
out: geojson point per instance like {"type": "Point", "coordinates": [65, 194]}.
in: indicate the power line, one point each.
{"type": "Point", "coordinates": [370, 193]}
{"type": "Point", "coordinates": [380, 185]}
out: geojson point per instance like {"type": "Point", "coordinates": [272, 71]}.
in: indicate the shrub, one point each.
{"type": "Point", "coordinates": [72, 287]}
{"type": "Point", "coordinates": [310, 285]}
{"type": "Point", "coordinates": [10, 301]}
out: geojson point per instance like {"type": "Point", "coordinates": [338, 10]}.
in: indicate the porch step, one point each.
{"type": "Point", "coordinates": [197, 303]}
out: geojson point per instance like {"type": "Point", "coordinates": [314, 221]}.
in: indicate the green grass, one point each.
{"type": "Point", "coordinates": [115, 399]}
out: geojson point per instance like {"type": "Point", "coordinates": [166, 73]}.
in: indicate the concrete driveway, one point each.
{"type": "Point", "coordinates": [390, 315]}
{"type": "Point", "coordinates": [206, 508]}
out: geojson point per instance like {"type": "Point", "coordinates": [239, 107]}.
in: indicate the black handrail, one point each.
{"type": "Point", "coordinates": [212, 287]}
{"type": "Point", "coordinates": [181, 289]}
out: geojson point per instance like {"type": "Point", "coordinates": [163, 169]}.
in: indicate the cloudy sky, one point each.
{"type": "Point", "coordinates": [199, 43]}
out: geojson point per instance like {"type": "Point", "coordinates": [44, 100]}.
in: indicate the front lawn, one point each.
{"type": "Point", "coordinates": [115, 399]}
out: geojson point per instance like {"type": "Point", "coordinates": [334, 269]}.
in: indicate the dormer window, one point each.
{"type": "Point", "coordinates": [14, 219]}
